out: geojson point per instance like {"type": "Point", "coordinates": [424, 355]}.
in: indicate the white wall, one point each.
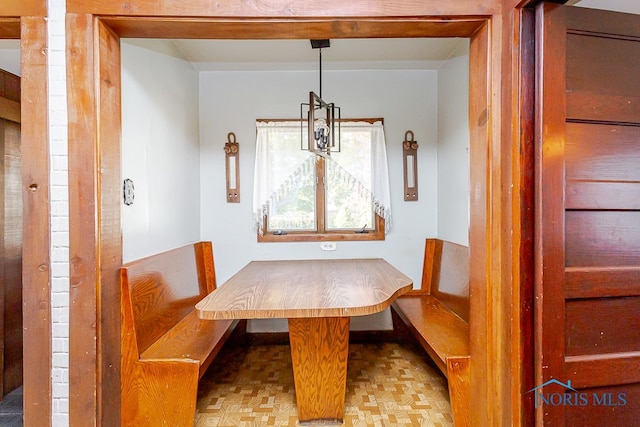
{"type": "Point", "coordinates": [232, 101]}
{"type": "Point", "coordinates": [453, 147]}
{"type": "Point", "coordinates": [160, 149]}
{"type": "Point", "coordinates": [10, 56]}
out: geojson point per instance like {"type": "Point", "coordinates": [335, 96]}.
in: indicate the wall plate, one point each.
{"type": "Point", "coordinates": [128, 192]}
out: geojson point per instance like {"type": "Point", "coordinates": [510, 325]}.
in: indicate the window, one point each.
{"type": "Point", "coordinates": [303, 196]}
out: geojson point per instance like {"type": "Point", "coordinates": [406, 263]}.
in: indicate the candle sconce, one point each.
{"type": "Point", "coordinates": [410, 166]}
{"type": "Point", "coordinates": [232, 166]}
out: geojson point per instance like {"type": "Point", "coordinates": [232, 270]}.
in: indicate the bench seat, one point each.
{"type": "Point", "coordinates": [440, 331]}
{"type": "Point", "coordinates": [165, 347]}
{"type": "Point", "coordinates": [437, 316]}
{"type": "Point", "coordinates": [193, 339]}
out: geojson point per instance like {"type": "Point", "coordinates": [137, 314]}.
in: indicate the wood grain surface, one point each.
{"type": "Point", "coordinates": [319, 353]}
{"type": "Point", "coordinates": [306, 288]}
{"type": "Point", "coordinates": [329, 8]}
{"type": "Point", "coordinates": [165, 347]}
{"type": "Point", "coordinates": [318, 297]}
{"type": "Point", "coordinates": [587, 237]}
{"type": "Point", "coordinates": [36, 271]}
{"type": "Point", "coordinates": [441, 332]}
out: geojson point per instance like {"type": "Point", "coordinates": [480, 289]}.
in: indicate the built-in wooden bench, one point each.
{"type": "Point", "coordinates": [165, 347]}
{"type": "Point", "coordinates": [438, 316]}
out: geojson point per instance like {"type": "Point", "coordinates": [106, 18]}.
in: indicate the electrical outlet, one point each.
{"type": "Point", "coordinates": [328, 246]}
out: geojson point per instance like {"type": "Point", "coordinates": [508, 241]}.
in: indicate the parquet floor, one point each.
{"type": "Point", "coordinates": [387, 385]}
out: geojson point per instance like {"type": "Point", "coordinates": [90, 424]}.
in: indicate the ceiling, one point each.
{"type": "Point", "coordinates": [419, 53]}
{"type": "Point", "coordinates": [298, 54]}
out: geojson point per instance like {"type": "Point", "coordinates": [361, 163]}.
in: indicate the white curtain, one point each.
{"type": "Point", "coordinates": [280, 164]}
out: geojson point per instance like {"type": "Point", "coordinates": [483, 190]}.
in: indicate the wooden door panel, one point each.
{"type": "Point", "coordinates": [591, 371]}
{"type": "Point", "coordinates": [602, 195]}
{"type": "Point", "coordinates": [602, 238]}
{"type": "Point", "coordinates": [602, 152]}
{"type": "Point", "coordinates": [587, 244]}
{"type": "Point", "coordinates": [603, 65]}
{"type": "Point", "coordinates": [602, 83]}
{"type": "Point", "coordinates": [593, 326]}
{"type": "Point", "coordinates": [623, 109]}
{"type": "Point", "coordinates": [606, 410]}
{"type": "Point", "coordinates": [592, 282]}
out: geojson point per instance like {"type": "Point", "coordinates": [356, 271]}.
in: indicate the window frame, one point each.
{"type": "Point", "coordinates": [321, 234]}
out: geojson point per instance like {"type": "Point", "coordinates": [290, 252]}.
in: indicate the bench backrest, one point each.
{"type": "Point", "coordinates": [445, 274]}
{"type": "Point", "coordinates": [160, 290]}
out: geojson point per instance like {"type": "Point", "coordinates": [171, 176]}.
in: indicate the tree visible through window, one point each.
{"type": "Point", "coordinates": [307, 196]}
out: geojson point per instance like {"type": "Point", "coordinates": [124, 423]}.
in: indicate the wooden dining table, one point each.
{"type": "Point", "coordinates": [318, 297]}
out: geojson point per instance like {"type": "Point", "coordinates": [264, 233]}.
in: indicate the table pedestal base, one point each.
{"type": "Point", "coordinates": [319, 351]}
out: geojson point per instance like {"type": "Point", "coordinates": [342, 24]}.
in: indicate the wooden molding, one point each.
{"type": "Point", "coordinates": [329, 9]}
{"type": "Point", "coordinates": [9, 110]}
{"type": "Point", "coordinates": [490, 238]}
{"type": "Point", "coordinates": [9, 28]}
{"type": "Point", "coordinates": [289, 28]}
{"type": "Point", "coordinates": [23, 8]}
{"type": "Point", "coordinates": [36, 245]}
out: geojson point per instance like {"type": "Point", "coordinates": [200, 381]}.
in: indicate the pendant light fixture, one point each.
{"type": "Point", "coordinates": [322, 118]}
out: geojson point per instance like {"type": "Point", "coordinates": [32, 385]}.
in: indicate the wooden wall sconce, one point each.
{"type": "Point", "coordinates": [232, 164]}
{"type": "Point", "coordinates": [410, 166]}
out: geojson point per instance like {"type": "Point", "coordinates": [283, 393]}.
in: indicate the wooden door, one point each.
{"type": "Point", "coordinates": [11, 242]}
{"type": "Point", "coordinates": [587, 256]}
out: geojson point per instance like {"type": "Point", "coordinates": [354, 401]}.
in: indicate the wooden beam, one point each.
{"type": "Point", "coordinates": [230, 8]}
{"type": "Point", "coordinates": [289, 28]}
{"type": "Point", "coordinates": [36, 263]}
{"type": "Point", "coordinates": [110, 193]}
{"type": "Point", "coordinates": [484, 405]}
{"type": "Point", "coordinates": [84, 218]}
{"type": "Point", "coordinates": [9, 110]}
{"type": "Point", "coordinates": [9, 28]}
{"type": "Point", "coordinates": [95, 240]}
{"type": "Point", "coordinates": [23, 8]}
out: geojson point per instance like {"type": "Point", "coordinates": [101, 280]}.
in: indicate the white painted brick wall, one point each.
{"type": "Point", "coordinates": [59, 213]}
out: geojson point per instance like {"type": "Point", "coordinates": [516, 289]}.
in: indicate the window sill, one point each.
{"type": "Point", "coordinates": [329, 236]}
{"type": "Point", "coordinates": [341, 236]}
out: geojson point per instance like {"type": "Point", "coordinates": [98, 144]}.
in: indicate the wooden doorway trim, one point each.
{"type": "Point", "coordinates": [94, 131]}
{"type": "Point", "coordinates": [518, 91]}
{"type": "Point", "coordinates": [25, 20]}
